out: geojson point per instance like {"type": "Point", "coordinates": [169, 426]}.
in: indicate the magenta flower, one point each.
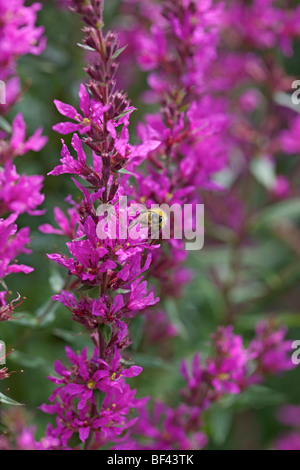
{"type": "Point", "coordinates": [289, 138]}
{"type": "Point", "coordinates": [281, 188]}
{"type": "Point", "coordinates": [81, 381]}
{"type": "Point", "coordinates": [229, 367]}
{"type": "Point", "coordinates": [19, 34]}
{"type": "Point", "coordinates": [69, 164]}
{"type": "Point", "coordinates": [67, 225]}
{"type": "Point", "coordinates": [20, 193]}
{"type": "Point", "coordinates": [166, 429]}
{"type": "Point", "coordinates": [271, 349]}
{"type": "Point", "coordinates": [159, 328]}
{"type": "Point", "coordinates": [288, 441]}
{"type": "Point", "coordinates": [289, 415]}
{"type": "Point", "coordinates": [18, 144]}
{"type": "Point", "coordinates": [139, 297]}
{"type": "Point", "coordinates": [270, 26]}
{"type": "Point", "coordinates": [12, 243]}
{"type": "Point", "coordinates": [111, 421]}
{"type": "Point", "coordinates": [90, 110]}
{"type": "Point", "coordinates": [91, 375]}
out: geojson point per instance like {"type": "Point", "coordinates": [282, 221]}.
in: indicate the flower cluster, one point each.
{"type": "Point", "coordinates": [19, 36]}
{"type": "Point", "coordinates": [21, 436]}
{"type": "Point", "coordinates": [107, 286]}
{"type": "Point", "coordinates": [262, 124]}
{"type": "Point", "coordinates": [195, 42]}
{"type": "Point", "coordinates": [263, 25]}
{"type": "Point", "coordinates": [230, 370]}
{"type": "Point", "coordinates": [18, 193]}
{"type": "Point", "coordinates": [168, 38]}
{"type": "Point", "coordinates": [81, 386]}
{"type": "Point", "coordinates": [177, 51]}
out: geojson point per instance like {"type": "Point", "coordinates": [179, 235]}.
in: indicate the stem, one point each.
{"type": "Point", "coordinates": [102, 344]}
{"type": "Point", "coordinates": [89, 439]}
{"type": "Point", "coordinates": [102, 52]}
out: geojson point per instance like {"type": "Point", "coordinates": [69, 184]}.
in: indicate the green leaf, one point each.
{"type": "Point", "coordinates": [259, 396]}
{"type": "Point", "coordinates": [86, 47]}
{"type": "Point", "coordinates": [212, 256]}
{"type": "Point", "coordinates": [219, 424]}
{"type": "Point", "coordinates": [9, 401]}
{"type": "Point", "coordinates": [25, 319]}
{"type": "Point", "coordinates": [99, 397]}
{"type": "Point", "coordinates": [289, 209]}
{"type": "Point", "coordinates": [248, 322]}
{"type": "Point", "coordinates": [128, 111]}
{"type": "Point", "coordinates": [56, 280]}
{"type": "Point", "coordinates": [86, 288]}
{"type": "Point", "coordinates": [106, 332]}
{"type": "Point", "coordinates": [184, 108]}
{"type": "Point", "coordinates": [263, 170]}
{"type": "Point", "coordinates": [4, 124]}
{"type": "Point", "coordinates": [46, 313]}
{"type": "Point", "coordinates": [172, 310]}
{"type": "Point", "coordinates": [137, 331]}
{"type": "Point", "coordinates": [250, 291]}
{"type": "Point", "coordinates": [66, 335]}
{"type": "Point", "coordinates": [118, 52]}
{"type": "Point", "coordinates": [225, 177]}
{"type": "Point", "coordinates": [123, 171]}
{"type": "Point", "coordinates": [123, 291]}
{"type": "Point", "coordinates": [100, 24]}
{"type": "Point", "coordinates": [151, 362]}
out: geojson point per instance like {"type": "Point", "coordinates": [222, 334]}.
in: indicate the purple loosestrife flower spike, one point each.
{"type": "Point", "coordinates": [97, 398]}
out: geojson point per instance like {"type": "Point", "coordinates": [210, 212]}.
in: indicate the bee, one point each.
{"type": "Point", "coordinates": [155, 219]}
